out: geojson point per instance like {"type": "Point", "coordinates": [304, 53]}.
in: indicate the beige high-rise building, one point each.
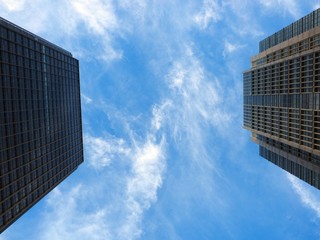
{"type": "Point", "coordinates": [282, 98]}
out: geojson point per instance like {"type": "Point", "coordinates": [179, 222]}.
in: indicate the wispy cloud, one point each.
{"type": "Point", "coordinates": [101, 151]}
{"type": "Point", "coordinates": [307, 195]}
{"type": "Point", "coordinates": [2, 238]}
{"type": "Point", "coordinates": [71, 221]}
{"type": "Point", "coordinates": [238, 15]}
{"type": "Point", "coordinates": [69, 21]}
{"type": "Point", "coordinates": [209, 13]}
{"type": "Point", "coordinates": [142, 185]}
{"type": "Point", "coordinates": [136, 8]}
{"type": "Point", "coordinates": [100, 19]}
{"type": "Point", "coordinates": [191, 117]}
{"type": "Point", "coordinates": [86, 99]}
{"type": "Point", "coordinates": [17, 5]}
{"type": "Point", "coordinates": [290, 6]}
{"type": "Point", "coordinates": [187, 115]}
{"type": "Point", "coordinates": [140, 166]}
{"type": "Point", "coordinates": [197, 97]}
{"type": "Point", "coordinates": [230, 48]}
{"type": "Point", "coordinates": [191, 107]}
{"type": "Point", "coordinates": [98, 16]}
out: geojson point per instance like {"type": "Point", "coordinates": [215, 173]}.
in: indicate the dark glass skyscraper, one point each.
{"type": "Point", "coordinates": [40, 119]}
{"type": "Point", "coordinates": [282, 98]}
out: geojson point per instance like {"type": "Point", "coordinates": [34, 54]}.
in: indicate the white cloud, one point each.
{"type": "Point", "coordinates": [230, 47]}
{"type": "Point", "coordinates": [69, 221]}
{"type": "Point", "coordinates": [101, 151]}
{"type": "Point", "coordinates": [308, 197]}
{"type": "Point", "coordinates": [143, 183]}
{"type": "Point", "coordinates": [99, 16]}
{"type": "Point", "coordinates": [70, 20]}
{"type": "Point", "coordinates": [13, 5]}
{"type": "Point", "coordinates": [158, 112]}
{"type": "Point", "coordinates": [190, 112]}
{"type": "Point", "coordinates": [112, 204]}
{"type": "Point", "coordinates": [196, 95]}
{"type": "Point", "coordinates": [108, 209]}
{"type": "Point", "coordinates": [209, 13]}
{"type": "Point", "coordinates": [136, 8]}
{"type": "Point", "coordinates": [177, 76]}
{"type": "Point", "coordinates": [290, 6]}
{"type": "Point", "coordinates": [148, 165]}
{"type": "Point", "coordinates": [86, 99]}
{"type": "Point", "coordinates": [238, 15]}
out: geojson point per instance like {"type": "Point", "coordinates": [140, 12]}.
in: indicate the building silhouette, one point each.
{"type": "Point", "coordinates": [40, 119]}
{"type": "Point", "coordinates": [282, 98]}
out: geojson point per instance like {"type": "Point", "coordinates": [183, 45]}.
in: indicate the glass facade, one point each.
{"type": "Point", "coordinates": [306, 174]}
{"type": "Point", "coordinates": [304, 24]}
{"type": "Point", "coordinates": [40, 119]}
{"type": "Point", "coordinates": [282, 99]}
{"type": "Point", "coordinates": [290, 50]}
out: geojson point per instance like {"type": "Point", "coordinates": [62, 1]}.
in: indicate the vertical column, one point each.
{"type": "Point", "coordinates": [45, 88]}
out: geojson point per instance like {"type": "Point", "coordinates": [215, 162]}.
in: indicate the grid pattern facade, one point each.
{"type": "Point", "coordinates": [290, 50]}
{"type": "Point", "coordinates": [282, 100]}
{"type": "Point", "coordinates": [40, 119]}
{"type": "Point", "coordinates": [308, 175]}
{"type": "Point", "coordinates": [304, 24]}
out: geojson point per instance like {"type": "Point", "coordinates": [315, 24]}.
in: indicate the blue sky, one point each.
{"type": "Point", "coordinates": [165, 153]}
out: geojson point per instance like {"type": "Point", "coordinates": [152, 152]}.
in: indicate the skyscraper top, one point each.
{"type": "Point", "coordinates": [16, 28]}
{"type": "Point", "coordinates": [305, 23]}
{"type": "Point", "coordinates": [282, 98]}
